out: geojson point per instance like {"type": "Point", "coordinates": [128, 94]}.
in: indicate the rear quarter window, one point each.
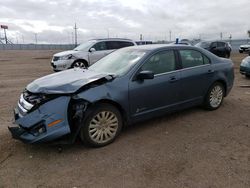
{"type": "Point", "coordinates": [125, 44]}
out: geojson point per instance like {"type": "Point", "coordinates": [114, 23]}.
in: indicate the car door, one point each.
{"type": "Point", "coordinates": [99, 51]}
{"type": "Point", "coordinates": [221, 47]}
{"type": "Point", "coordinates": [214, 48]}
{"type": "Point", "coordinates": [195, 76]}
{"type": "Point", "coordinates": [160, 93]}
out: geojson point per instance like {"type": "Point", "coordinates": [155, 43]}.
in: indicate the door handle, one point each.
{"type": "Point", "coordinates": [210, 71]}
{"type": "Point", "coordinates": [173, 79]}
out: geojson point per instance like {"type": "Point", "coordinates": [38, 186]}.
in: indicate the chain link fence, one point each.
{"type": "Point", "coordinates": [36, 46]}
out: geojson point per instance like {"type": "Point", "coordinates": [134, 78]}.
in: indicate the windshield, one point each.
{"type": "Point", "coordinates": [203, 44]}
{"type": "Point", "coordinates": [118, 62]}
{"type": "Point", "coordinates": [85, 46]}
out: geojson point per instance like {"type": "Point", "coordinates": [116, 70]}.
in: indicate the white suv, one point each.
{"type": "Point", "coordinates": [88, 53]}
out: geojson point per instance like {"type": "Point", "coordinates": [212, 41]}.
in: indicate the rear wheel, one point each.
{"type": "Point", "coordinates": [101, 126]}
{"type": "Point", "coordinates": [214, 97]}
{"type": "Point", "coordinates": [80, 64]}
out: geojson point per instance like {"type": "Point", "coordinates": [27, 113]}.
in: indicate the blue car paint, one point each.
{"type": "Point", "coordinates": [47, 113]}
{"type": "Point", "coordinates": [138, 100]}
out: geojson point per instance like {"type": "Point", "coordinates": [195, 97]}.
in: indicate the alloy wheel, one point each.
{"type": "Point", "coordinates": [103, 127]}
{"type": "Point", "coordinates": [216, 96]}
{"type": "Point", "coordinates": [79, 64]}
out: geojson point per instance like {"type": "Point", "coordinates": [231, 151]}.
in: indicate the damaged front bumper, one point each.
{"type": "Point", "coordinates": [46, 123]}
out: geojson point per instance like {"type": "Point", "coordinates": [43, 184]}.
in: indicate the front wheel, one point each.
{"type": "Point", "coordinates": [214, 97]}
{"type": "Point", "coordinates": [80, 64]}
{"type": "Point", "coordinates": [101, 126]}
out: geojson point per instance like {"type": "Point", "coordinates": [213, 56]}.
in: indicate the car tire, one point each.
{"type": "Point", "coordinates": [101, 126]}
{"type": "Point", "coordinates": [214, 96]}
{"type": "Point", "coordinates": [247, 76]}
{"type": "Point", "coordinates": [227, 55]}
{"type": "Point", "coordinates": [80, 64]}
{"type": "Point", "coordinates": [241, 52]}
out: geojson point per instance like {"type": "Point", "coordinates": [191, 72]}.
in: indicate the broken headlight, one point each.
{"type": "Point", "coordinates": [30, 100]}
{"type": "Point", "coordinates": [34, 98]}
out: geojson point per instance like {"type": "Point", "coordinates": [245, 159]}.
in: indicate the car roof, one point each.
{"type": "Point", "coordinates": [151, 47]}
{"type": "Point", "coordinates": [210, 41]}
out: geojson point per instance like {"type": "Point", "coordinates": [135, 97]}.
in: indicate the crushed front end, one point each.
{"type": "Point", "coordinates": [40, 117]}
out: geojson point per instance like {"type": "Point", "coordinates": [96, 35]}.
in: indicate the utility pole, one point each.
{"type": "Point", "coordinates": [170, 36]}
{"type": "Point", "coordinates": [221, 36]}
{"type": "Point", "coordinates": [5, 35]}
{"type": "Point", "coordinates": [248, 32]}
{"type": "Point", "coordinates": [23, 39]}
{"type": "Point", "coordinates": [140, 37]}
{"type": "Point", "coordinates": [230, 38]}
{"type": "Point", "coordinates": [36, 38]}
{"type": "Point", "coordinates": [75, 28]}
{"type": "Point", "coordinates": [4, 27]}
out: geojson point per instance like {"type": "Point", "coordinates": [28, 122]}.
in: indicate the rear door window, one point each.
{"type": "Point", "coordinates": [192, 58]}
{"type": "Point", "coordinates": [112, 45]}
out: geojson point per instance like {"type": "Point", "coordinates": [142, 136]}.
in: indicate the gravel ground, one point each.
{"type": "Point", "coordinates": [189, 149]}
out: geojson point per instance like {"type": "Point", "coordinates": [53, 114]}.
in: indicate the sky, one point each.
{"type": "Point", "coordinates": [51, 21]}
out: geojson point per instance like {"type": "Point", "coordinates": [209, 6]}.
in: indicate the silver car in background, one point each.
{"type": "Point", "coordinates": [244, 48]}
{"type": "Point", "coordinates": [88, 53]}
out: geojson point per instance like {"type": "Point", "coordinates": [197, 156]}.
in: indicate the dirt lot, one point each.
{"type": "Point", "coordinates": [194, 148]}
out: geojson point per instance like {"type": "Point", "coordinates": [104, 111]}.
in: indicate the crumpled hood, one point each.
{"type": "Point", "coordinates": [65, 82]}
{"type": "Point", "coordinates": [64, 53]}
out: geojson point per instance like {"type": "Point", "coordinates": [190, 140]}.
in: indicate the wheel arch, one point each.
{"type": "Point", "coordinates": [82, 60]}
{"type": "Point", "coordinates": [115, 104]}
{"type": "Point", "coordinates": [223, 82]}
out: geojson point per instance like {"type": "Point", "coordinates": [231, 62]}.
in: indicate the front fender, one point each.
{"type": "Point", "coordinates": [119, 95]}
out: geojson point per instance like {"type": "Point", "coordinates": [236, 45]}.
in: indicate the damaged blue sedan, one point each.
{"type": "Point", "coordinates": [129, 85]}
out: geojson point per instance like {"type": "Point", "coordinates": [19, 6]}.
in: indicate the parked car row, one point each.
{"type": "Point", "coordinates": [129, 85]}
{"type": "Point", "coordinates": [91, 51]}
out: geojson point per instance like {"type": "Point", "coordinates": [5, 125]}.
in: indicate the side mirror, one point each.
{"type": "Point", "coordinates": [213, 47]}
{"type": "Point", "coordinates": [145, 75]}
{"type": "Point", "coordinates": [92, 49]}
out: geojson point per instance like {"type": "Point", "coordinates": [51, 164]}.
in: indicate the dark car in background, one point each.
{"type": "Point", "coordinates": [129, 85]}
{"type": "Point", "coordinates": [219, 48]}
